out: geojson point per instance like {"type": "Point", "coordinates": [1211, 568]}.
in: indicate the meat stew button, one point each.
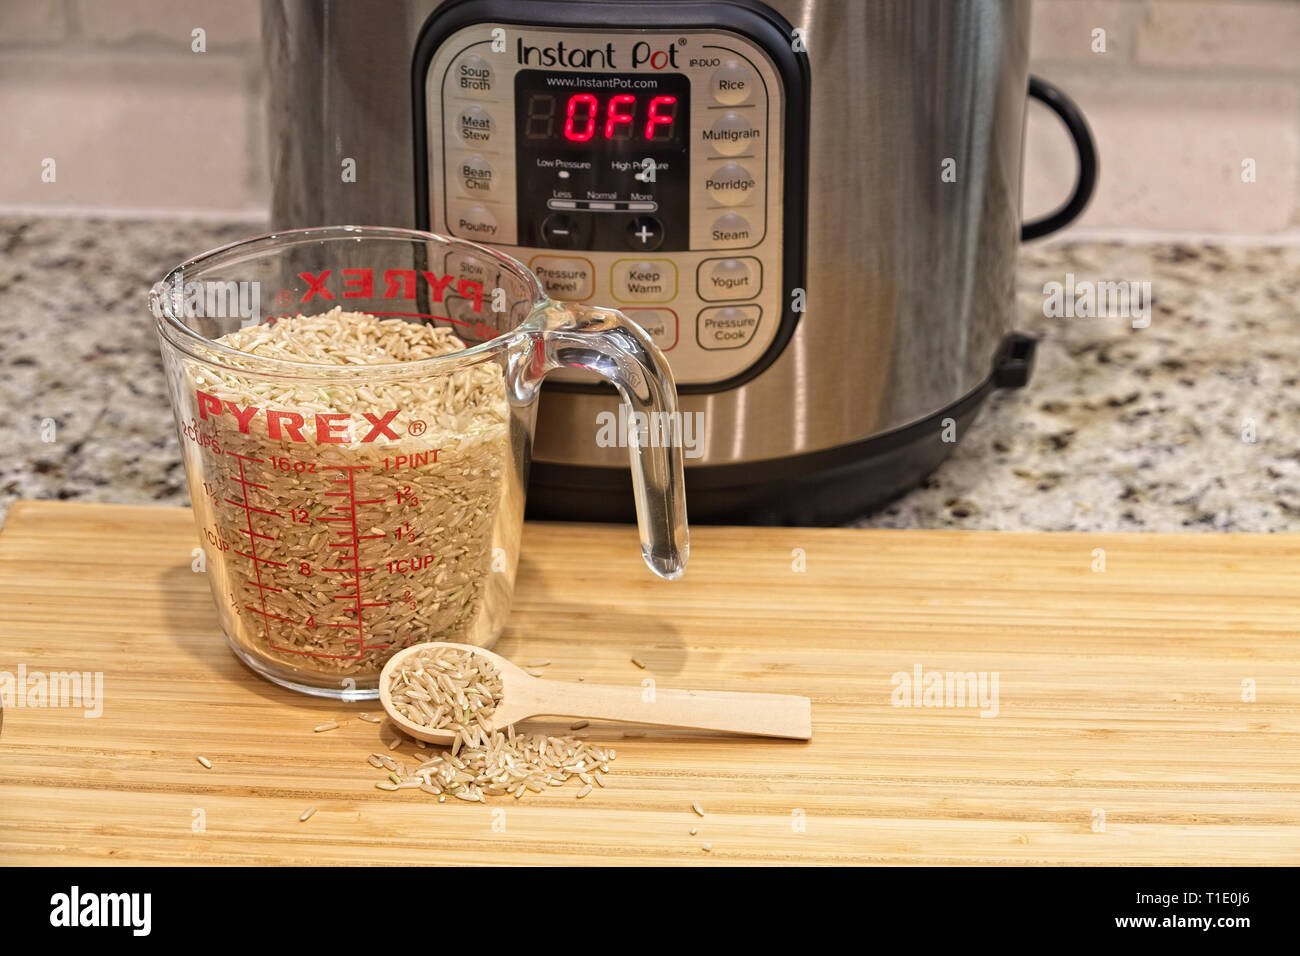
{"type": "Point", "coordinates": [727, 327]}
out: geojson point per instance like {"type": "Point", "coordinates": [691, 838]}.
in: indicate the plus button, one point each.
{"type": "Point", "coordinates": [645, 232]}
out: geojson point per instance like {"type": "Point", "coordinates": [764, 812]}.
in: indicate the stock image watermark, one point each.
{"type": "Point", "coordinates": [948, 689]}
{"type": "Point", "coordinates": [74, 690]}
{"type": "Point", "coordinates": [683, 430]}
{"type": "Point", "coordinates": [1100, 299]}
{"type": "Point", "coordinates": [209, 299]}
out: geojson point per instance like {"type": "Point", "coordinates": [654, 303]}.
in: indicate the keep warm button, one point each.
{"type": "Point", "coordinates": [728, 327]}
{"type": "Point", "coordinates": [644, 280]}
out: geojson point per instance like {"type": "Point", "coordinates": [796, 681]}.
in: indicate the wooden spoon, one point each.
{"type": "Point", "coordinates": [524, 696]}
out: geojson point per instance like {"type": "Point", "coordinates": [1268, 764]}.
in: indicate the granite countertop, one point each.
{"type": "Point", "coordinates": [1120, 429]}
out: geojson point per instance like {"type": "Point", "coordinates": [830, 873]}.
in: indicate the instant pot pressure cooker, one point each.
{"type": "Point", "coordinates": [812, 208]}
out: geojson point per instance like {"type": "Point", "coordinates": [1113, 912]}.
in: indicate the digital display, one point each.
{"type": "Point", "coordinates": [587, 110]}
{"type": "Point", "coordinates": [588, 117]}
{"type": "Point", "coordinates": [602, 160]}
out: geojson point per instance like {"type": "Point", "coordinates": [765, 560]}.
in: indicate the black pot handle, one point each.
{"type": "Point", "coordinates": [1086, 148]}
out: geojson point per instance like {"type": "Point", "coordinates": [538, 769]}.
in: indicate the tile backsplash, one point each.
{"type": "Point", "coordinates": [1184, 96]}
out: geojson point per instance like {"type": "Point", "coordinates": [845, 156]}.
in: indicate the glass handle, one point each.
{"type": "Point", "coordinates": [610, 344]}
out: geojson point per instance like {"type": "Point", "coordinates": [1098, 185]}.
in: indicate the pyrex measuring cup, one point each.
{"type": "Point", "coordinates": [349, 507]}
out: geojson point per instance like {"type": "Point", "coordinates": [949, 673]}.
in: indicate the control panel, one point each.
{"type": "Point", "coordinates": [640, 169]}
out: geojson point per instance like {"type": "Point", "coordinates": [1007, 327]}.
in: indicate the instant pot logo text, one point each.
{"type": "Point", "coordinates": [642, 55]}
{"type": "Point", "coordinates": [333, 428]}
{"type": "Point", "coordinates": [393, 283]}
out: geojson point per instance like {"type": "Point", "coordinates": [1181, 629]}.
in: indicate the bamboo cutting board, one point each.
{"type": "Point", "coordinates": [1145, 714]}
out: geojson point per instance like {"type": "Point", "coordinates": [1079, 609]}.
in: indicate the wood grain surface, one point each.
{"type": "Point", "coordinates": [1123, 731]}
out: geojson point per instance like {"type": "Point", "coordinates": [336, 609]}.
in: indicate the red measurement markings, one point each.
{"type": "Point", "coordinates": [354, 538]}
{"type": "Point", "coordinates": [248, 509]}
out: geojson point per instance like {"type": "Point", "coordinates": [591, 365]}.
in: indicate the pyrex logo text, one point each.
{"type": "Point", "coordinates": [331, 428]}
{"type": "Point", "coordinates": [398, 284]}
{"type": "Point", "coordinates": [602, 57]}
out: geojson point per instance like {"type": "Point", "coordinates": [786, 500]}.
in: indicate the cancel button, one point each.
{"type": "Point", "coordinates": [728, 327]}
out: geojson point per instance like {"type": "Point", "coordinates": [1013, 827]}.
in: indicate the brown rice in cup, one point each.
{"type": "Point", "coordinates": [414, 518]}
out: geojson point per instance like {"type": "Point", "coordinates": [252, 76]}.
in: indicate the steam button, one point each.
{"type": "Point", "coordinates": [473, 76]}
{"type": "Point", "coordinates": [730, 229]}
{"type": "Point", "coordinates": [732, 83]}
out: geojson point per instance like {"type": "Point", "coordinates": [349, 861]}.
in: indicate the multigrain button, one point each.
{"type": "Point", "coordinates": [476, 175]}
{"type": "Point", "coordinates": [730, 135]}
{"type": "Point", "coordinates": [474, 126]}
{"type": "Point", "coordinates": [473, 76]}
{"type": "Point", "coordinates": [568, 278]}
{"type": "Point", "coordinates": [731, 184]}
{"type": "Point", "coordinates": [661, 324]}
{"type": "Point", "coordinates": [729, 327]}
{"type": "Point", "coordinates": [732, 83]}
{"type": "Point", "coordinates": [476, 222]}
{"type": "Point", "coordinates": [644, 280]}
{"type": "Point", "coordinates": [721, 280]}
{"type": "Point", "coordinates": [732, 229]}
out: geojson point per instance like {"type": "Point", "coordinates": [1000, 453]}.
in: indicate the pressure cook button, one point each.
{"type": "Point", "coordinates": [476, 176]}
{"type": "Point", "coordinates": [729, 327]}
{"type": "Point", "coordinates": [732, 83]}
{"type": "Point", "coordinates": [567, 278]}
{"type": "Point", "coordinates": [730, 229]}
{"type": "Point", "coordinates": [475, 126]}
{"type": "Point", "coordinates": [731, 184]}
{"type": "Point", "coordinates": [645, 232]}
{"type": "Point", "coordinates": [473, 76]}
{"type": "Point", "coordinates": [730, 135]}
{"type": "Point", "coordinates": [475, 222]}
{"type": "Point", "coordinates": [723, 279]}
{"type": "Point", "coordinates": [661, 324]}
{"type": "Point", "coordinates": [644, 280]}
